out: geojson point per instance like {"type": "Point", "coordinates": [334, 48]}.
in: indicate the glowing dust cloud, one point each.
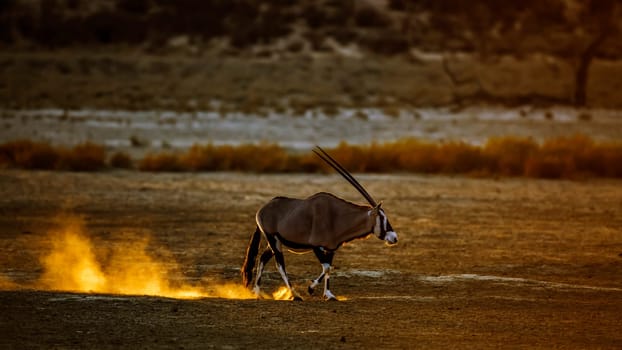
{"type": "Point", "coordinates": [282, 293]}
{"type": "Point", "coordinates": [72, 265]}
{"type": "Point", "coordinates": [7, 284]}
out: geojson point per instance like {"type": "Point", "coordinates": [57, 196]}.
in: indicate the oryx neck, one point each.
{"type": "Point", "coordinates": [360, 225]}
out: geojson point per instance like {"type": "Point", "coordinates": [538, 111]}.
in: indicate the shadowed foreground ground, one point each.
{"type": "Point", "coordinates": [481, 263]}
{"type": "Point", "coordinates": [455, 317]}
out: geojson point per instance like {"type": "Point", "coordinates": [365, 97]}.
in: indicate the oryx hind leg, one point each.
{"type": "Point", "coordinates": [277, 249]}
{"type": "Point", "coordinates": [326, 259]}
{"type": "Point", "coordinates": [320, 255]}
{"type": "Point", "coordinates": [263, 260]}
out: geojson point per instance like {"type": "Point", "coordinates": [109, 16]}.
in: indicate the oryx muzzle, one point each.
{"type": "Point", "coordinates": [321, 223]}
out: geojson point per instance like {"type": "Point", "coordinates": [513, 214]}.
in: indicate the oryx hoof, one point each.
{"type": "Point", "coordinates": [329, 296]}
{"type": "Point", "coordinates": [297, 298]}
{"type": "Point", "coordinates": [310, 290]}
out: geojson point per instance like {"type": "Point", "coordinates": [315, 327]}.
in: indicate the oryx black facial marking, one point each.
{"type": "Point", "coordinates": [321, 223]}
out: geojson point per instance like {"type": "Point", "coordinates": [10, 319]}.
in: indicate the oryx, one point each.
{"type": "Point", "coordinates": [321, 223]}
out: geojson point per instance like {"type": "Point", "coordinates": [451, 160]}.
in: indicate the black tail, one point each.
{"type": "Point", "coordinates": [251, 256]}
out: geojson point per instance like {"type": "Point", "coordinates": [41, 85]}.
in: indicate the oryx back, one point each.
{"type": "Point", "coordinates": [322, 220]}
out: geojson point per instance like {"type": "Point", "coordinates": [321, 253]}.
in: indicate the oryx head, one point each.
{"type": "Point", "coordinates": [382, 228]}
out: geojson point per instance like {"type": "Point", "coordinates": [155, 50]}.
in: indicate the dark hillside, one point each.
{"type": "Point", "coordinates": [556, 27]}
{"type": "Point", "coordinates": [580, 41]}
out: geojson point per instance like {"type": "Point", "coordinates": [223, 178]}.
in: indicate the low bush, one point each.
{"type": "Point", "coordinates": [257, 158]}
{"type": "Point", "coordinates": [567, 157]}
{"type": "Point", "coordinates": [161, 162]}
{"type": "Point", "coordinates": [611, 158]}
{"type": "Point", "coordinates": [26, 154]}
{"type": "Point", "coordinates": [83, 157]}
{"type": "Point", "coordinates": [508, 155]}
{"type": "Point", "coordinates": [121, 160]}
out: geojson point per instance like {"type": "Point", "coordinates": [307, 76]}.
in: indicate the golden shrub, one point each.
{"type": "Point", "coordinates": [27, 154]}
{"type": "Point", "coordinates": [83, 157]}
{"type": "Point", "coordinates": [161, 162]}
{"type": "Point", "coordinates": [508, 156]}
{"type": "Point", "coordinates": [121, 160]}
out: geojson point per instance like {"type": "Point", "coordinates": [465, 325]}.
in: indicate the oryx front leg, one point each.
{"type": "Point", "coordinates": [280, 265]}
{"type": "Point", "coordinates": [326, 259]}
{"type": "Point", "coordinates": [316, 281]}
{"type": "Point", "coordinates": [263, 260]}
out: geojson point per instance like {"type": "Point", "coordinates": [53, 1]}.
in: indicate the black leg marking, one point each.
{"type": "Point", "coordinates": [324, 256]}
{"type": "Point", "coordinates": [263, 260]}
{"type": "Point", "coordinates": [266, 255]}
{"type": "Point", "coordinates": [326, 259]}
{"type": "Point", "coordinates": [315, 282]}
{"type": "Point", "coordinates": [280, 263]}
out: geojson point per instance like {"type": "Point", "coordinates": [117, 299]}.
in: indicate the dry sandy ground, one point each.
{"type": "Point", "coordinates": [481, 263]}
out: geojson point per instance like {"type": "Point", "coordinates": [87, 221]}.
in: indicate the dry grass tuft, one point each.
{"type": "Point", "coordinates": [575, 156]}
{"type": "Point", "coordinates": [121, 160]}
{"type": "Point", "coordinates": [507, 156]}
{"type": "Point", "coordinates": [83, 157]}
{"type": "Point", "coordinates": [161, 162]}
{"type": "Point", "coordinates": [26, 154]}
{"type": "Point", "coordinates": [256, 158]}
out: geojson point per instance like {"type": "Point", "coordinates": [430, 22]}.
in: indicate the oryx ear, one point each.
{"type": "Point", "coordinates": [374, 211]}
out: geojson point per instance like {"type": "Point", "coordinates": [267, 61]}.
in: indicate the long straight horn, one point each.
{"type": "Point", "coordinates": [341, 170]}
